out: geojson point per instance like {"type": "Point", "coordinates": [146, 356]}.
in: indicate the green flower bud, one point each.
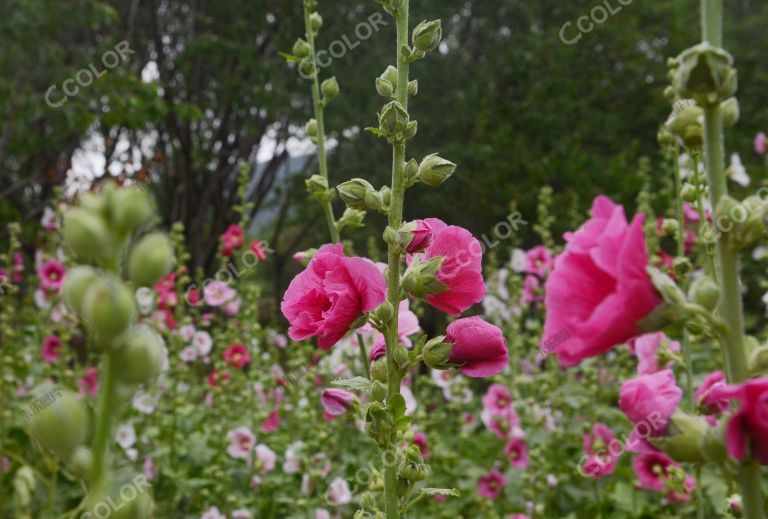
{"type": "Point", "coordinates": [426, 36]}
{"type": "Point", "coordinates": [390, 75]}
{"type": "Point", "coordinates": [758, 361]}
{"type": "Point", "coordinates": [436, 353]}
{"type": "Point", "coordinates": [140, 354]}
{"type": "Point", "coordinates": [384, 88]}
{"type": "Point", "coordinates": [706, 74]}
{"type": "Point", "coordinates": [94, 202]}
{"type": "Point", "coordinates": [413, 88]}
{"type": "Point", "coordinates": [378, 391]}
{"type": "Point", "coordinates": [86, 234]}
{"type": "Point", "coordinates": [670, 226]}
{"type": "Point", "coordinates": [687, 123]}
{"type": "Point", "coordinates": [419, 279]}
{"type": "Point", "coordinates": [731, 112]}
{"type": "Point", "coordinates": [379, 370]}
{"type": "Point", "coordinates": [391, 237]}
{"type": "Point", "coordinates": [352, 218]}
{"type": "Point", "coordinates": [685, 438]}
{"type": "Point", "coordinates": [434, 170]}
{"type": "Point", "coordinates": [705, 292]}
{"type": "Point", "coordinates": [330, 88]}
{"type": "Point", "coordinates": [127, 497]}
{"type": "Point", "coordinates": [411, 172]}
{"type": "Point", "coordinates": [151, 259]}
{"type": "Point", "coordinates": [131, 208]}
{"type": "Point", "coordinates": [385, 312]}
{"type": "Point", "coordinates": [360, 194]}
{"type": "Point", "coordinates": [76, 284]}
{"type": "Point", "coordinates": [315, 21]}
{"type": "Point", "coordinates": [307, 68]}
{"type": "Point", "coordinates": [301, 48]}
{"type": "Point", "coordinates": [401, 356]}
{"type": "Point", "coordinates": [24, 485]}
{"type": "Point", "coordinates": [393, 119]}
{"type": "Point", "coordinates": [81, 462]}
{"type": "Point", "coordinates": [312, 128]}
{"type": "Point", "coordinates": [61, 425]}
{"type": "Point", "coordinates": [109, 307]}
{"type": "Point", "coordinates": [410, 129]}
{"type": "Point", "coordinates": [688, 193]}
{"type": "Point", "coordinates": [669, 93]}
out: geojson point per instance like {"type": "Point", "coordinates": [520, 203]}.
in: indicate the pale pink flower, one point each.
{"type": "Point", "coordinates": [266, 458]}
{"type": "Point", "coordinates": [213, 513]}
{"type": "Point", "coordinates": [336, 402]}
{"type": "Point", "coordinates": [647, 348]}
{"type": "Point", "coordinates": [538, 261]}
{"type": "Point", "coordinates": [218, 293]}
{"type": "Point", "coordinates": [761, 143]}
{"type": "Point", "coordinates": [241, 442]}
{"type": "Point", "coordinates": [89, 383]}
{"type": "Point", "coordinates": [339, 492]}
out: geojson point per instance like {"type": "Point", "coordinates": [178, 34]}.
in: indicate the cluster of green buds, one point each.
{"type": "Point", "coordinates": [360, 195]}
{"type": "Point", "coordinates": [109, 235]}
{"type": "Point", "coordinates": [386, 84]}
{"type": "Point", "coordinates": [432, 171]}
{"type": "Point", "coordinates": [744, 223]}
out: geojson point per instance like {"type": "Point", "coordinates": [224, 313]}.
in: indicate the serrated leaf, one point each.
{"type": "Point", "coordinates": [397, 405]}
{"type": "Point", "coordinates": [403, 423]}
{"type": "Point", "coordinates": [440, 492]}
{"type": "Point", "coordinates": [355, 383]}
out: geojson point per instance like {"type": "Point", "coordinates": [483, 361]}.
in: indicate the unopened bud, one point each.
{"type": "Point", "coordinates": [378, 391]}
{"type": "Point", "coordinates": [62, 425]}
{"type": "Point", "coordinates": [315, 21]}
{"type": "Point", "coordinates": [411, 172]}
{"type": "Point", "coordinates": [426, 36]}
{"type": "Point", "coordinates": [688, 193]}
{"type": "Point", "coordinates": [384, 88]}
{"type": "Point", "coordinates": [410, 129]}
{"type": "Point", "coordinates": [132, 208]}
{"type": "Point", "coordinates": [109, 307]}
{"type": "Point", "coordinates": [151, 258]}
{"type": "Point", "coordinates": [330, 88]}
{"type": "Point", "coordinates": [731, 112]}
{"type": "Point", "coordinates": [434, 170]}
{"type": "Point", "coordinates": [401, 356]}
{"type": "Point", "coordinates": [670, 227]}
{"type": "Point", "coordinates": [352, 218]}
{"type": "Point", "coordinates": [393, 119]}
{"type": "Point", "coordinates": [705, 292]}
{"type": "Point", "coordinates": [76, 284]}
{"type": "Point", "coordinates": [86, 234]}
{"type": "Point", "coordinates": [685, 438]}
{"type": "Point", "coordinates": [139, 353]}
{"type": "Point", "coordinates": [301, 48]}
{"type": "Point", "coordinates": [420, 280]}
{"type": "Point", "coordinates": [385, 312]}
{"type": "Point", "coordinates": [413, 88]}
{"type": "Point", "coordinates": [436, 353]}
{"type": "Point", "coordinates": [360, 194]}
{"type": "Point", "coordinates": [312, 128]}
{"type": "Point", "coordinates": [706, 74]}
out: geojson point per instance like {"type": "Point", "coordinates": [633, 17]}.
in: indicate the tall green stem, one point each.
{"type": "Point", "coordinates": [319, 117]}
{"type": "Point", "coordinates": [728, 259]}
{"type": "Point", "coordinates": [103, 425]}
{"type": "Point", "coordinates": [393, 283]}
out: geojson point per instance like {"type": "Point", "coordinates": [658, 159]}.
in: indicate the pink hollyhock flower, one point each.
{"type": "Point", "coordinates": [218, 293]}
{"type": "Point", "coordinates": [266, 458]}
{"type": "Point", "coordinates": [339, 493]}
{"type": "Point", "coordinates": [532, 292]}
{"type": "Point", "coordinates": [422, 237]}
{"type": "Point", "coordinates": [690, 215]}
{"type": "Point", "coordinates": [647, 350]}
{"type": "Point", "coordinates": [213, 513]}
{"type": "Point", "coordinates": [497, 399]}
{"type": "Point", "coordinates": [379, 348]}
{"type": "Point", "coordinates": [490, 486]}
{"type": "Point", "coordinates": [241, 442]}
{"type": "Point", "coordinates": [232, 307]}
{"type": "Point", "coordinates": [237, 356]}
{"type": "Point", "coordinates": [232, 239]}
{"type": "Point", "coordinates": [330, 295]}
{"type": "Point", "coordinates": [761, 143]}
{"type": "Point", "coordinates": [503, 423]}
{"type": "Point", "coordinates": [538, 261]}
{"type": "Point", "coordinates": [51, 348]}
{"type": "Point", "coordinates": [747, 430]}
{"type": "Point", "coordinates": [516, 451]}
{"type": "Point", "coordinates": [18, 266]}
{"type": "Point", "coordinates": [258, 249]}
{"type": "Point", "coordinates": [89, 383]}
{"type": "Point", "coordinates": [519, 516]}
{"type": "Point", "coordinates": [149, 468]}
{"type": "Point", "coordinates": [420, 440]}
{"type": "Point", "coordinates": [217, 378]}
{"type": "Point", "coordinates": [479, 348]}
{"type": "Point", "coordinates": [49, 220]}
{"type": "Point", "coordinates": [652, 471]}
{"type": "Point", "coordinates": [272, 422]}
{"type": "Point", "coordinates": [704, 397]}
{"type": "Point", "coordinates": [602, 456]}
{"type": "Point", "coordinates": [203, 342]}
{"type": "Point", "coordinates": [51, 276]}
{"type": "Point", "coordinates": [649, 401]}
{"type": "Point", "coordinates": [241, 513]}
{"type": "Point", "coordinates": [461, 270]}
{"type": "Point", "coordinates": [336, 402]}
{"type": "Point", "coordinates": [599, 289]}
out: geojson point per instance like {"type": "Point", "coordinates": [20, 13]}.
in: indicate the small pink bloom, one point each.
{"type": "Point", "coordinates": [339, 492]}
{"type": "Point", "coordinates": [532, 292]}
{"type": "Point", "coordinates": [647, 350]}
{"type": "Point", "coordinates": [51, 348]}
{"type": "Point", "coordinates": [232, 238]}
{"type": "Point", "coordinates": [516, 452]}
{"type": "Point", "coordinates": [217, 378]}
{"type": "Point", "coordinates": [232, 307]}
{"type": "Point", "coordinates": [420, 440]}
{"type": "Point", "coordinates": [599, 289]}
{"type": "Point", "coordinates": [761, 143]}
{"type": "Point", "coordinates": [272, 422]}
{"type": "Point", "coordinates": [330, 295]}
{"type": "Point", "coordinates": [237, 356]}
{"type": "Point", "coordinates": [461, 270]}
{"type": "Point", "coordinates": [479, 348]}
{"type": "Point", "coordinates": [490, 486]}
{"type": "Point", "coordinates": [213, 513]}
{"type": "Point", "coordinates": [538, 261]}
{"type": "Point", "coordinates": [51, 275]}
{"type": "Point", "coordinates": [652, 471]}
{"type": "Point", "coordinates": [266, 458]}
{"type": "Point", "coordinates": [218, 293]}
{"type": "Point", "coordinates": [504, 423]}
{"type": "Point", "coordinates": [602, 450]}
{"type": "Point", "coordinates": [649, 401]}
{"type": "Point", "coordinates": [258, 249]}
{"type": "Point", "coordinates": [704, 397]}
{"type": "Point", "coordinates": [379, 348]}
{"type": "Point", "coordinates": [497, 399]}
{"type": "Point", "coordinates": [422, 238]}
{"type": "Point", "coordinates": [149, 468]}
{"type": "Point", "coordinates": [89, 383]}
{"type": "Point", "coordinates": [336, 402]}
{"type": "Point", "coordinates": [747, 430]}
{"type": "Point", "coordinates": [241, 442]}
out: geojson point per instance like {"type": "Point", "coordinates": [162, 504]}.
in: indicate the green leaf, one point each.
{"type": "Point", "coordinates": [290, 58]}
{"type": "Point", "coordinates": [403, 423]}
{"type": "Point", "coordinates": [397, 405]}
{"type": "Point", "coordinates": [355, 383]}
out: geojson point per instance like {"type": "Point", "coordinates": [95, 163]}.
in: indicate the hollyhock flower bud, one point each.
{"type": "Point", "coordinates": [384, 88]}
{"type": "Point", "coordinates": [420, 277]}
{"type": "Point", "coordinates": [352, 218]}
{"type": "Point", "coordinates": [413, 468]}
{"type": "Point", "coordinates": [336, 402]}
{"type": "Point", "coordinates": [86, 234]}
{"type": "Point", "coordinates": [312, 132]}
{"type": "Point", "coordinates": [108, 308]}
{"type": "Point", "coordinates": [685, 438]}
{"type": "Point", "coordinates": [61, 425]}
{"type": "Point", "coordinates": [460, 270]}
{"type": "Point", "coordinates": [315, 21]}
{"type": "Point", "coordinates": [478, 348]}
{"type": "Point", "coordinates": [413, 88]}
{"type": "Point", "coordinates": [705, 292]}
{"type": "Point", "coordinates": [378, 391]}
{"type": "Point", "coordinates": [360, 194]}
{"type": "Point", "coordinates": [151, 259]}
{"type": "Point", "coordinates": [301, 48]}
{"type": "Point", "coordinates": [599, 290]}
{"type": "Point", "coordinates": [81, 462]}
{"type": "Point", "coordinates": [649, 401]}
{"type": "Point", "coordinates": [705, 73]}
{"type": "Point", "coordinates": [420, 235]}
{"type": "Point", "coordinates": [307, 68]}
{"type": "Point", "coordinates": [427, 35]}
{"type": "Point", "coordinates": [140, 353]}
{"type": "Point", "coordinates": [393, 119]}
{"type": "Point", "coordinates": [434, 170]}
{"type": "Point", "coordinates": [329, 88]}
{"type": "Point", "coordinates": [490, 486]}
{"type": "Point", "coordinates": [687, 124]}
{"type": "Point", "coordinates": [731, 112]}
{"type": "Point", "coordinates": [131, 207]}
{"type": "Point", "coordinates": [436, 353]}
{"type": "Point", "coordinates": [330, 295]}
{"type": "Point", "coordinates": [747, 430]}
{"type": "Point", "coordinates": [410, 174]}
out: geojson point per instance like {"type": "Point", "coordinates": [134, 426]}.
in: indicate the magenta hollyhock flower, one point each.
{"type": "Point", "coordinates": [602, 450]}
{"type": "Point", "coordinates": [761, 143]}
{"type": "Point", "coordinates": [746, 433]}
{"type": "Point", "coordinates": [461, 270]}
{"type": "Point", "coordinates": [649, 401]}
{"type": "Point", "coordinates": [237, 356]}
{"type": "Point", "coordinates": [599, 289]}
{"type": "Point", "coordinates": [420, 440]}
{"type": "Point", "coordinates": [241, 442]}
{"type": "Point", "coordinates": [336, 402]}
{"type": "Point", "coordinates": [516, 451]}
{"type": "Point", "coordinates": [704, 398]}
{"type": "Point", "coordinates": [490, 486]}
{"type": "Point", "coordinates": [647, 350]}
{"type": "Point", "coordinates": [51, 350]}
{"type": "Point", "coordinates": [232, 239]}
{"type": "Point", "coordinates": [538, 261]}
{"type": "Point", "coordinates": [497, 399]}
{"type": "Point", "coordinates": [422, 237]}
{"type": "Point", "coordinates": [89, 383]}
{"type": "Point", "coordinates": [272, 422]}
{"type": "Point", "coordinates": [51, 275]}
{"type": "Point", "coordinates": [258, 249]}
{"type": "Point", "coordinates": [504, 423]}
{"type": "Point", "coordinates": [330, 295]}
{"type": "Point", "coordinates": [652, 471]}
{"type": "Point", "coordinates": [479, 348]}
{"type": "Point", "coordinates": [18, 267]}
{"type": "Point", "coordinates": [379, 348]}
{"type": "Point", "coordinates": [531, 292]}
{"type": "Point", "coordinates": [217, 378]}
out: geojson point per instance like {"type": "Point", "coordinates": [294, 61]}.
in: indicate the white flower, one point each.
{"type": "Point", "coordinates": [551, 481]}
{"type": "Point", "coordinates": [202, 342]}
{"type": "Point", "coordinates": [132, 454]}
{"type": "Point", "coordinates": [189, 354]}
{"type": "Point", "coordinates": [266, 457]}
{"type": "Point", "coordinates": [145, 298]}
{"type": "Point", "coordinates": [410, 400]}
{"type": "Point", "coordinates": [186, 332]}
{"type": "Point", "coordinates": [737, 172]}
{"type": "Point", "coordinates": [49, 221]}
{"type": "Point", "coordinates": [41, 300]}
{"type": "Point", "coordinates": [277, 339]}
{"type": "Point", "coordinates": [760, 253]}
{"type": "Point", "coordinates": [443, 379]}
{"type": "Point", "coordinates": [126, 436]}
{"type": "Point", "coordinates": [144, 403]}
{"type": "Point", "coordinates": [339, 492]}
{"type": "Point", "coordinates": [292, 463]}
{"type": "Point", "coordinates": [517, 262]}
{"type": "Point", "coordinates": [686, 166]}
